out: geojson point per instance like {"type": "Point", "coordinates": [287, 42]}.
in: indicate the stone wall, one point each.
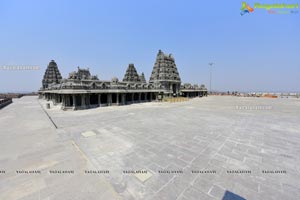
{"type": "Point", "coordinates": [5, 102]}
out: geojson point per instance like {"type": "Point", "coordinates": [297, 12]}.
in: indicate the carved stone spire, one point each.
{"type": "Point", "coordinates": [52, 74]}
{"type": "Point", "coordinates": [142, 78]}
{"type": "Point", "coordinates": [165, 72]}
{"type": "Point", "coordinates": [131, 74]}
{"type": "Point", "coordinates": [164, 69]}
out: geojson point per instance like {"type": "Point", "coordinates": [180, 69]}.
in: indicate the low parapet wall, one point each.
{"type": "Point", "coordinates": [5, 102]}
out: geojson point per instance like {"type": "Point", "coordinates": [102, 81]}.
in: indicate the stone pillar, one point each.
{"type": "Point", "coordinates": [140, 95]}
{"type": "Point", "coordinates": [117, 98]}
{"type": "Point", "coordinates": [132, 97]}
{"type": "Point", "coordinates": [83, 101]}
{"type": "Point", "coordinates": [67, 100]}
{"type": "Point", "coordinates": [123, 98]}
{"type": "Point", "coordinates": [109, 99]}
{"type": "Point", "coordinates": [74, 101]}
{"type": "Point", "coordinates": [88, 100]}
{"type": "Point", "coordinates": [54, 99]}
{"type": "Point", "coordinates": [63, 101]}
{"type": "Point", "coordinates": [99, 100]}
{"type": "Point", "coordinates": [151, 96]}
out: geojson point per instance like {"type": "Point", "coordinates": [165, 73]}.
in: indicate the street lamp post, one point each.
{"type": "Point", "coordinates": [210, 76]}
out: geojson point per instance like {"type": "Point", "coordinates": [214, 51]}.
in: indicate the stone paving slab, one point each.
{"type": "Point", "coordinates": [30, 142]}
{"type": "Point", "coordinates": [198, 149]}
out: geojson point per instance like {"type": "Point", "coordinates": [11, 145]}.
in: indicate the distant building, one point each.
{"type": "Point", "coordinates": [82, 90]}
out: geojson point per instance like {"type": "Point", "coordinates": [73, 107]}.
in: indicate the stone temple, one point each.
{"type": "Point", "coordinates": [82, 90]}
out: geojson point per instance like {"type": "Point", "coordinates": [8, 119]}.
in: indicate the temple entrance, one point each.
{"type": "Point", "coordinates": [148, 96]}
{"type": "Point", "coordinates": [114, 98]}
{"type": "Point", "coordinates": [103, 98]}
{"type": "Point", "coordinates": [143, 97]}
{"type": "Point", "coordinates": [174, 87]}
{"type": "Point", "coordinates": [94, 99]}
{"type": "Point", "coordinates": [128, 98]}
{"type": "Point", "coordinates": [71, 101]}
{"type": "Point", "coordinates": [78, 100]}
{"type": "Point", "coordinates": [136, 97]}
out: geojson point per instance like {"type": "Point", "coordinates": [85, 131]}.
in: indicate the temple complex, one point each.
{"type": "Point", "coordinates": [82, 90]}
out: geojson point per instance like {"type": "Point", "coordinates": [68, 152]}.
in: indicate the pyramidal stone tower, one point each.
{"type": "Point", "coordinates": [131, 74]}
{"type": "Point", "coordinates": [166, 74]}
{"type": "Point", "coordinates": [52, 74]}
{"type": "Point", "coordinates": [142, 78]}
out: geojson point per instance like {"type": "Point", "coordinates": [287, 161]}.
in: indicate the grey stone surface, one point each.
{"type": "Point", "coordinates": [29, 141]}
{"type": "Point", "coordinates": [202, 134]}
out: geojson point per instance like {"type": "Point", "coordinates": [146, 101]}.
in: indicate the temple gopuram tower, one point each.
{"type": "Point", "coordinates": [52, 74]}
{"type": "Point", "coordinates": [142, 78]}
{"type": "Point", "coordinates": [131, 74]}
{"type": "Point", "coordinates": [166, 74]}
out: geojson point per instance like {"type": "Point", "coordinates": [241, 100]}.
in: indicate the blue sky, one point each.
{"type": "Point", "coordinates": [254, 52]}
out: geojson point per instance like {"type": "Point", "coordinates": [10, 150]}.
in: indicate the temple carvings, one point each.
{"type": "Point", "coordinates": [52, 75]}
{"type": "Point", "coordinates": [165, 73]}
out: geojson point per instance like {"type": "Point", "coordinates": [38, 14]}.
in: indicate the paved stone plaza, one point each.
{"type": "Point", "coordinates": [225, 141]}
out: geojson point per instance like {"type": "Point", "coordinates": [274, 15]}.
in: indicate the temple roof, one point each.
{"type": "Point", "coordinates": [82, 74]}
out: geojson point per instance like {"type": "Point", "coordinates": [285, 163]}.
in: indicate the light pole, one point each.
{"type": "Point", "coordinates": [210, 75]}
